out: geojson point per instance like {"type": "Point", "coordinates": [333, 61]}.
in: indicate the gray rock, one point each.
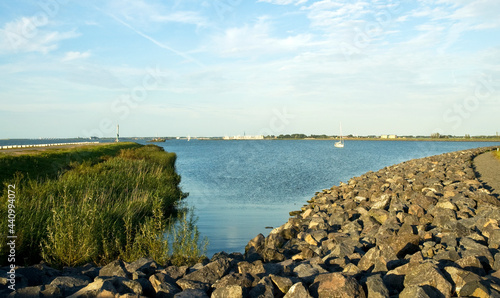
{"type": "Point", "coordinates": [115, 268]}
{"type": "Point", "coordinates": [203, 278]}
{"type": "Point", "coordinates": [307, 272]}
{"type": "Point", "coordinates": [375, 287]}
{"type": "Point", "coordinates": [336, 285]}
{"type": "Point", "coordinates": [428, 275]}
{"type": "Point", "coordinates": [100, 286]}
{"type": "Point", "coordinates": [272, 255]}
{"type": "Point", "coordinates": [282, 283]}
{"type": "Point", "coordinates": [50, 291]}
{"type": "Point", "coordinates": [460, 277]}
{"type": "Point", "coordinates": [34, 291]}
{"type": "Point", "coordinates": [146, 265]}
{"type": "Point", "coordinates": [228, 291]}
{"type": "Point", "coordinates": [38, 274]}
{"type": "Point", "coordinates": [191, 293]}
{"type": "Point", "coordinates": [257, 243]}
{"type": "Point", "coordinates": [472, 264]}
{"type": "Point", "coordinates": [256, 267]}
{"type": "Point", "coordinates": [414, 292]}
{"type": "Point", "coordinates": [175, 272]}
{"type": "Point", "coordinates": [477, 289]}
{"type": "Point", "coordinates": [297, 291]}
{"type": "Point", "coordinates": [244, 280]}
{"type": "Point", "coordinates": [264, 289]}
{"type": "Point", "coordinates": [163, 285]}
{"type": "Point", "coordinates": [70, 284]}
{"type": "Point", "coordinates": [469, 247]}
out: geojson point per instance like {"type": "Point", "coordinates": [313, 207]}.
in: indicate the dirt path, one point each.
{"type": "Point", "coordinates": [487, 168]}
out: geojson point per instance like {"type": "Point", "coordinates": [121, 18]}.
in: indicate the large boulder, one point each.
{"type": "Point", "coordinates": [203, 278]}
{"type": "Point", "coordinates": [429, 276]}
{"type": "Point", "coordinates": [336, 285]}
{"type": "Point", "coordinates": [115, 268]}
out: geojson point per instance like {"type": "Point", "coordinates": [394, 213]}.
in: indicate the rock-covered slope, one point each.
{"type": "Point", "coordinates": [422, 228]}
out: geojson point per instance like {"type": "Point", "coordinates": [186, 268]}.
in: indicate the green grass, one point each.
{"type": "Point", "coordinates": [98, 206]}
{"type": "Point", "coordinates": [50, 163]}
{"type": "Point", "coordinates": [497, 154]}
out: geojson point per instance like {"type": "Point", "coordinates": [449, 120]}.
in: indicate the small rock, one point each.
{"type": "Point", "coordinates": [233, 291]}
{"type": "Point", "coordinates": [477, 289]}
{"type": "Point", "coordinates": [376, 288]}
{"type": "Point", "coordinates": [264, 289]}
{"type": "Point", "coordinates": [414, 292]}
{"type": "Point", "coordinates": [297, 291]}
{"type": "Point", "coordinates": [100, 286]}
{"type": "Point", "coordinates": [164, 284]}
{"type": "Point", "coordinates": [282, 283]}
{"type": "Point", "coordinates": [191, 293]}
{"type": "Point", "coordinates": [256, 267]}
{"type": "Point", "coordinates": [460, 277]}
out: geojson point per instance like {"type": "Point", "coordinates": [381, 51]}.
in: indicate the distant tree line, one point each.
{"type": "Point", "coordinates": [299, 136]}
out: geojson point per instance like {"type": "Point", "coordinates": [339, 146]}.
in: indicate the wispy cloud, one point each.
{"type": "Point", "coordinates": [284, 2]}
{"type": "Point", "coordinates": [183, 17]}
{"type": "Point", "coordinates": [257, 40]}
{"type": "Point", "coordinates": [156, 42]}
{"type": "Point", "coordinates": [70, 56]}
{"type": "Point", "coordinates": [27, 35]}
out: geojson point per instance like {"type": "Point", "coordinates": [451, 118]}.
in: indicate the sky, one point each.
{"type": "Point", "coordinates": [229, 67]}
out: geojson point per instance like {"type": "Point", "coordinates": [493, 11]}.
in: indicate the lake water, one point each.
{"type": "Point", "coordinates": [239, 188]}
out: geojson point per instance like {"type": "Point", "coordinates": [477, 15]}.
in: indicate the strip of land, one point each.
{"type": "Point", "coordinates": [34, 150]}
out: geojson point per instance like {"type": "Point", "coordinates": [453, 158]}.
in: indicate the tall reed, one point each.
{"type": "Point", "coordinates": [97, 212]}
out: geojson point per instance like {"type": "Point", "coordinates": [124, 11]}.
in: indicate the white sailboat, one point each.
{"type": "Point", "coordinates": [340, 144]}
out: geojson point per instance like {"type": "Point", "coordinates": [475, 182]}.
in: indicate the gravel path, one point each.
{"type": "Point", "coordinates": [487, 167]}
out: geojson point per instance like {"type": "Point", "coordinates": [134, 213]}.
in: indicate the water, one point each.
{"type": "Point", "coordinates": [241, 187]}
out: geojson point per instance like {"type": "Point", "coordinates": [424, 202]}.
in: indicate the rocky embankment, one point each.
{"type": "Point", "coordinates": [422, 228]}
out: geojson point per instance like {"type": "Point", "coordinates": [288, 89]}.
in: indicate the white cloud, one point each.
{"type": "Point", "coordinates": [70, 56]}
{"type": "Point", "coordinates": [257, 39]}
{"type": "Point", "coordinates": [26, 35]}
{"type": "Point", "coordinates": [284, 2]}
{"type": "Point", "coordinates": [143, 13]}
{"type": "Point", "coordinates": [184, 17]}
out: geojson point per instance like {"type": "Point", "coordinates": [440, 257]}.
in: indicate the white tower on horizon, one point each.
{"type": "Point", "coordinates": [117, 133]}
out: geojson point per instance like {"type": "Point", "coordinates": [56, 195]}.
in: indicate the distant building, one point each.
{"type": "Point", "coordinates": [388, 136]}
{"type": "Point", "coordinates": [245, 137]}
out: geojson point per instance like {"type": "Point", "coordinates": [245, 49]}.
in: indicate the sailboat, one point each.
{"type": "Point", "coordinates": [340, 144]}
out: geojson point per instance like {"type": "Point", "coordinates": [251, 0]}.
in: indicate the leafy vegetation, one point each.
{"type": "Point", "coordinates": [100, 207]}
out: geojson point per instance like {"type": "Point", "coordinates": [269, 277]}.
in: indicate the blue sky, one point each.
{"type": "Point", "coordinates": [224, 67]}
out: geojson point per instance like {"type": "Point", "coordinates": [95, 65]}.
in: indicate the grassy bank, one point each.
{"type": "Point", "coordinates": [50, 163]}
{"type": "Point", "coordinates": [96, 205]}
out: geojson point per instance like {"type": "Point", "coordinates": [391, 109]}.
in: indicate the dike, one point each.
{"type": "Point", "coordinates": [423, 228]}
